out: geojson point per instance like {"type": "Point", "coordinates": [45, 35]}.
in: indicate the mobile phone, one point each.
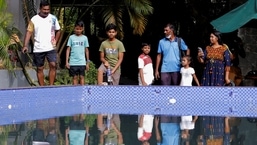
{"type": "Point", "coordinates": [200, 49]}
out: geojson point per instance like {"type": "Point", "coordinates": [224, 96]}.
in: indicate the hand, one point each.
{"type": "Point", "coordinates": [200, 54]}
{"type": "Point", "coordinates": [157, 76]}
{"type": "Point", "coordinates": [67, 65]}
{"type": "Point", "coordinates": [113, 71]}
{"type": "Point", "coordinates": [156, 120]}
{"type": "Point", "coordinates": [227, 81]}
{"type": "Point", "coordinates": [24, 49]}
{"type": "Point", "coordinates": [158, 138]}
{"type": "Point", "coordinates": [87, 67]}
{"type": "Point", "coordinates": [106, 64]}
{"type": "Point", "coordinates": [106, 131]}
{"type": "Point", "coordinates": [144, 84]}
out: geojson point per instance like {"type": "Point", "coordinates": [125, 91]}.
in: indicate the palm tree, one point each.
{"type": "Point", "coordinates": [8, 36]}
{"type": "Point", "coordinates": [111, 11]}
{"type": "Point", "coordinates": [137, 10]}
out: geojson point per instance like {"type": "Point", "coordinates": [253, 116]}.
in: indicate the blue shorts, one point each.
{"type": "Point", "coordinates": [39, 58]}
{"type": "Point", "coordinates": [170, 134]}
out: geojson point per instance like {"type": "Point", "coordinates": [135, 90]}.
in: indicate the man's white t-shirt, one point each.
{"type": "Point", "coordinates": [186, 76]}
{"type": "Point", "coordinates": [145, 63]}
{"type": "Point", "coordinates": [44, 32]}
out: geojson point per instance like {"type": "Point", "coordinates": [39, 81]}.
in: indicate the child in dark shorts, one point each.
{"type": "Point", "coordinates": [77, 61]}
{"type": "Point", "coordinates": [77, 49]}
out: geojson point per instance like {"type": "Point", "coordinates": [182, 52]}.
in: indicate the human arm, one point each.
{"type": "Point", "coordinates": [119, 134]}
{"type": "Point", "coordinates": [27, 37]}
{"type": "Point", "coordinates": [196, 80]}
{"type": "Point", "coordinates": [200, 56]}
{"type": "Point", "coordinates": [57, 35]}
{"type": "Point", "coordinates": [157, 131]}
{"type": "Point", "coordinates": [188, 52]}
{"type": "Point", "coordinates": [87, 134]}
{"type": "Point", "coordinates": [195, 118]}
{"type": "Point", "coordinates": [87, 58]}
{"type": "Point", "coordinates": [158, 60]}
{"type": "Point", "coordinates": [120, 59]}
{"type": "Point", "coordinates": [140, 70]}
{"type": "Point", "coordinates": [26, 41]}
{"type": "Point", "coordinates": [67, 57]}
{"type": "Point", "coordinates": [227, 69]}
{"type": "Point", "coordinates": [227, 66]}
{"type": "Point", "coordinates": [141, 75]}
{"type": "Point", "coordinates": [103, 60]}
{"type": "Point", "coordinates": [227, 127]}
{"type": "Point", "coordinates": [67, 136]}
{"type": "Point", "coordinates": [185, 47]}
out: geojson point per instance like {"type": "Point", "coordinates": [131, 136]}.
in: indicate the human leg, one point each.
{"type": "Point", "coordinates": [175, 78]}
{"type": "Point", "coordinates": [40, 75]}
{"type": "Point", "coordinates": [116, 78]}
{"type": "Point", "coordinates": [81, 80]}
{"type": "Point", "coordinates": [100, 73]}
{"type": "Point", "coordinates": [82, 75]}
{"type": "Point", "coordinates": [226, 138]}
{"type": "Point", "coordinates": [165, 78]}
{"type": "Point", "coordinates": [75, 80]}
{"type": "Point", "coordinates": [39, 59]}
{"type": "Point", "coordinates": [52, 57]}
{"type": "Point", "coordinates": [52, 72]}
{"type": "Point", "coordinates": [74, 74]}
{"type": "Point", "coordinates": [100, 122]}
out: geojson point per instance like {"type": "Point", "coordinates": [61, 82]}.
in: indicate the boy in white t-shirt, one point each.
{"type": "Point", "coordinates": [145, 78]}
{"type": "Point", "coordinates": [187, 76]}
{"type": "Point", "coordinates": [145, 66]}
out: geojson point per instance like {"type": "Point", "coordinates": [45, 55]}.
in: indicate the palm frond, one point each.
{"type": "Point", "coordinates": [138, 11]}
{"type": "Point", "coordinates": [3, 5]}
{"type": "Point", "coordinates": [29, 10]}
{"type": "Point", "coordinates": [113, 14]}
{"type": "Point", "coordinates": [4, 57]}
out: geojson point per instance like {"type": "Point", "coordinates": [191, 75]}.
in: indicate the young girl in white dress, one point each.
{"type": "Point", "coordinates": [187, 76]}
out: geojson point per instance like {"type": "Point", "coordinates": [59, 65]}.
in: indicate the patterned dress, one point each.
{"type": "Point", "coordinates": [216, 60]}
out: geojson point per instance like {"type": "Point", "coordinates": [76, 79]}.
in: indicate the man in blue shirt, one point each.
{"type": "Point", "coordinates": [168, 51]}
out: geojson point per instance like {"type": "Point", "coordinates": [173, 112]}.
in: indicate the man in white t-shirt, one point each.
{"type": "Point", "coordinates": [44, 27]}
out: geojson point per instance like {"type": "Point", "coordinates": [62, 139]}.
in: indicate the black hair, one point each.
{"type": "Point", "coordinates": [218, 35]}
{"type": "Point", "coordinates": [111, 26]}
{"type": "Point", "coordinates": [172, 27]}
{"type": "Point", "coordinates": [79, 23]}
{"type": "Point", "coordinates": [44, 3]}
{"type": "Point", "coordinates": [188, 57]}
{"type": "Point", "coordinates": [145, 44]}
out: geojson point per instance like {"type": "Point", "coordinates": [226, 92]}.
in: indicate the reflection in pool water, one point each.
{"type": "Point", "coordinates": [242, 132]}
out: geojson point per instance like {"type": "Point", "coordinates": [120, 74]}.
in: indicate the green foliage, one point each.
{"type": "Point", "coordinates": [8, 36]}
{"type": "Point", "coordinates": [88, 121]}
{"type": "Point", "coordinates": [91, 75]}
{"type": "Point", "coordinates": [63, 77]}
{"type": "Point", "coordinates": [4, 130]}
